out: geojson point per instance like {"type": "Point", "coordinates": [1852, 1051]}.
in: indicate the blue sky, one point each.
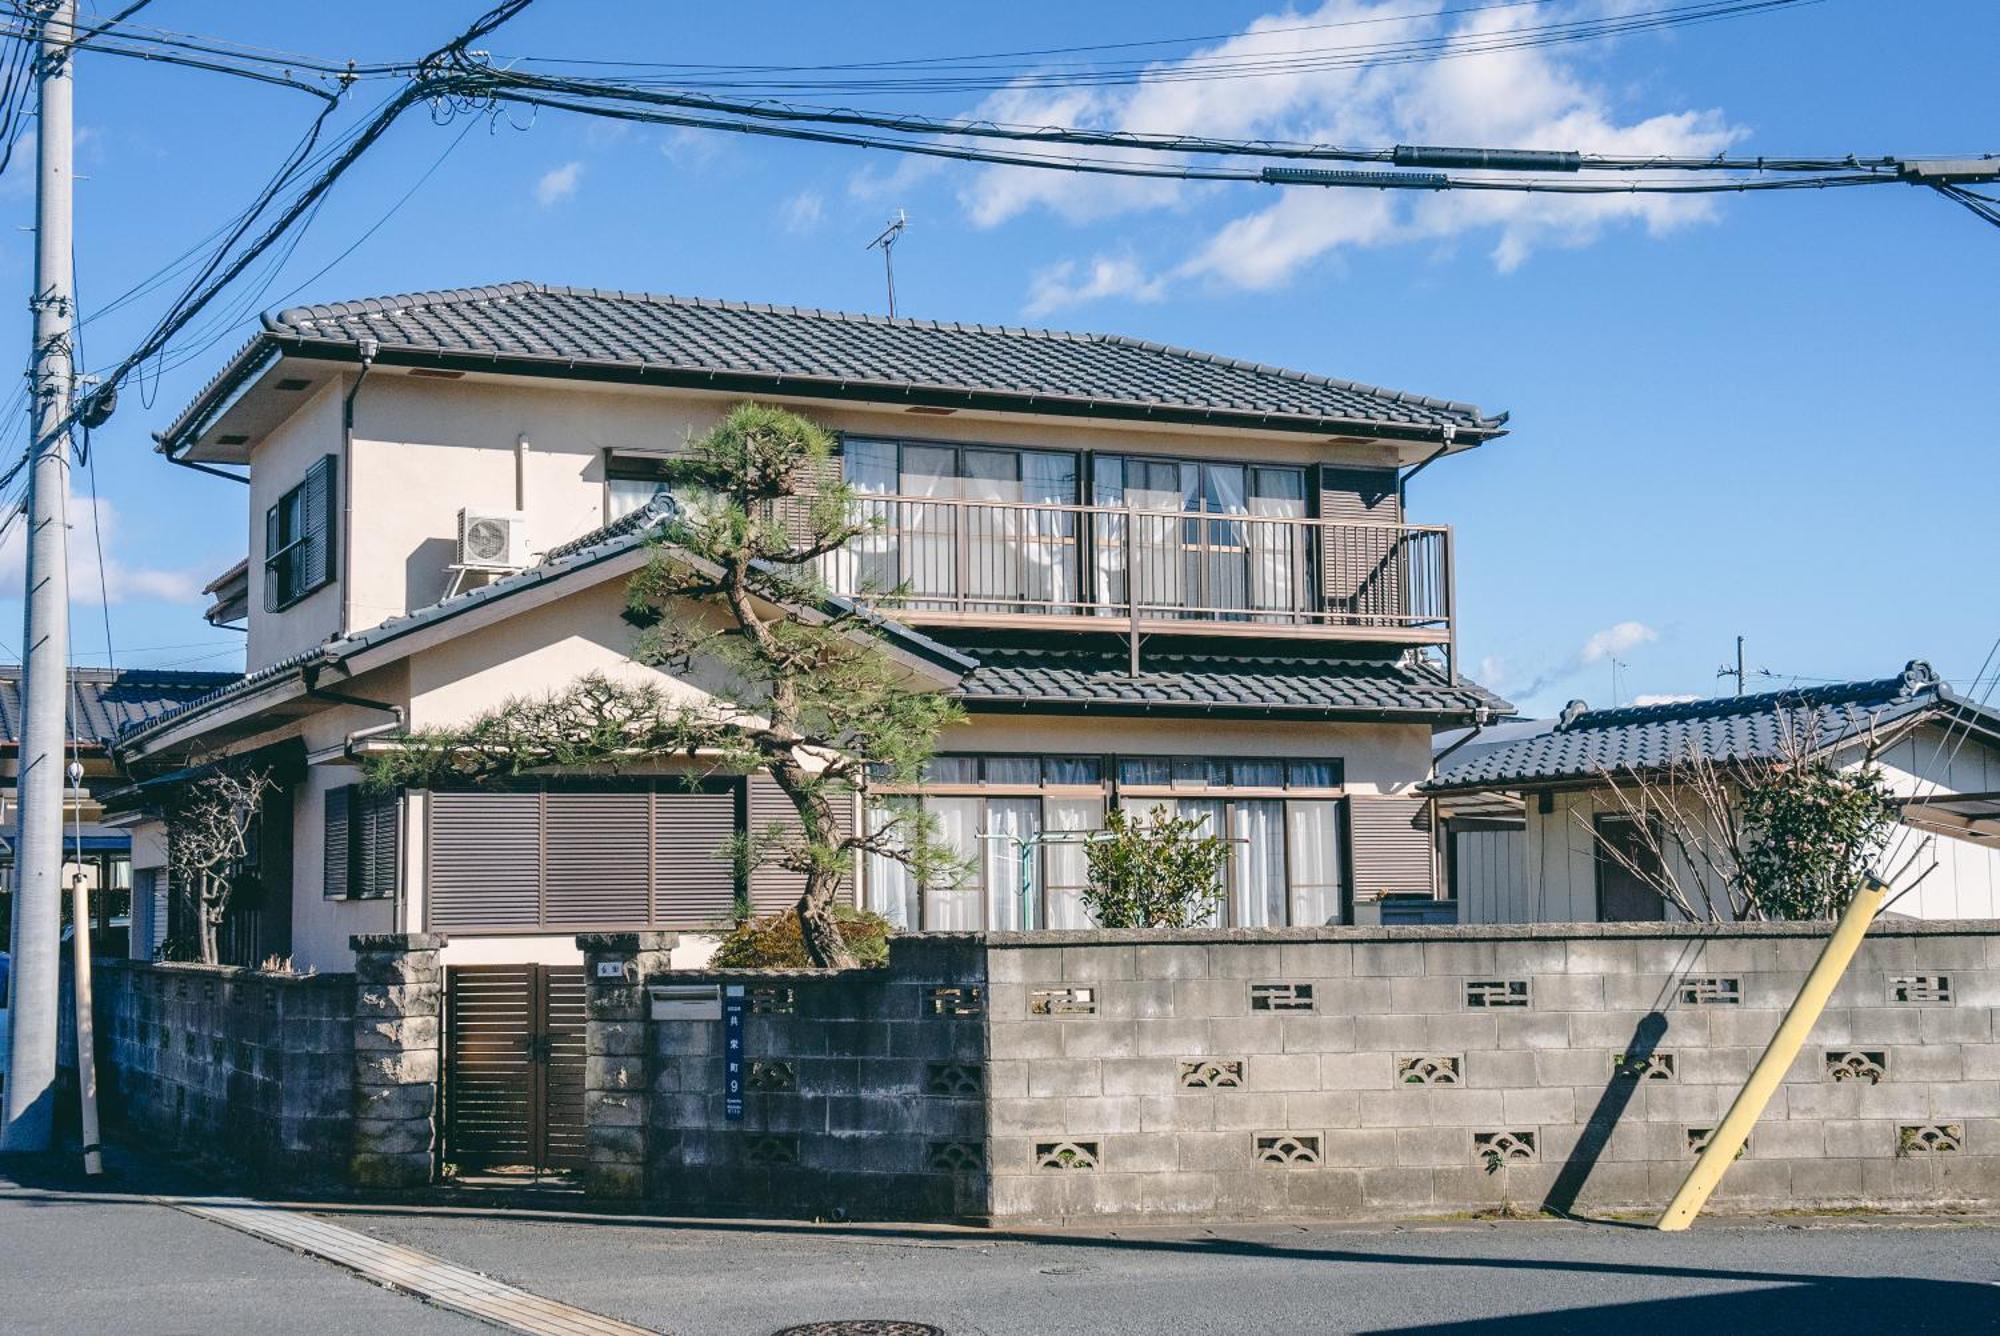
{"type": "Point", "coordinates": [1769, 415]}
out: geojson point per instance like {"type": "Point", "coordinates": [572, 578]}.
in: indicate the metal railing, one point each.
{"type": "Point", "coordinates": [992, 559]}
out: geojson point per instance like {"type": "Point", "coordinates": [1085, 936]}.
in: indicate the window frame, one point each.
{"type": "Point", "coordinates": [289, 537]}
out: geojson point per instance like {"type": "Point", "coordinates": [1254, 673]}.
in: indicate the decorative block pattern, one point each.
{"type": "Point", "coordinates": [1867, 1066]}
{"type": "Point", "coordinates": [955, 1157]}
{"type": "Point", "coordinates": [1647, 1067]}
{"type": "Point", "coordinates": [1498, 1149]}
{"type": "Point", "coordinates": [957, 1000]}
{"type": "Point", "coordinates": [770, 1076]}
{"type": "Point", "coordinates": [1712, 991]}
{"type": "Point", "coordinates": [766, 1148]}
{"type": "Point", "coordinates": [1489, 993]}
{"type": "Point", "coordinates": [1281, 997]}
{"type": "Point", "coordinates": [1292, 1150]}
{"type": "Point", "coordinates": [1211, 1073]}
{"type": "Point", "coordinates": [1062, 1002]}
{"type": "Point", "coordinates": [1920, 988]}
{"type": "Point", "coordinates": [1066, 1156]}
{"type": "Point", "coordinates": [954, 1080]}
{"type": "Point", "coordinates": [773, 1000]}
{"type": "Point", "coordinates": [1930, 1139]}
{"type": "Point", "coordinates": [1698, 1138]}
{"type": "Point", "coordinates": [1429, 1069]}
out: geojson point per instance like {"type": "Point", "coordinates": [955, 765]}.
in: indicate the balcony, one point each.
{"type": "Point", "coordinates": [994, 563]}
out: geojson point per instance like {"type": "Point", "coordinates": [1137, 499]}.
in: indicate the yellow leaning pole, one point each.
{"type": "Point", "coordinates": [1728, 1138]}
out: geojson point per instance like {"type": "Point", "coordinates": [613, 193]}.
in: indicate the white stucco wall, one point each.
{"type": "Point", "coordinates": [278, 464]}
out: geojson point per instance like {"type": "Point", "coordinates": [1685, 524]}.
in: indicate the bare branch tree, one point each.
{"type": "Point", "coordinates": [208, 842]}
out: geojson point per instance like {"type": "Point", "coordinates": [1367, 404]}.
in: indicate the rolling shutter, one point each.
{"type": "Point", "coordinates": [1391, 844]}
{"type": "Point", "coordinates": [485, 865]}
{"type": "Point", "coordinates": [1360, 564]}
{"type": "Point", "coordinates": [694, 878]}
{"type": "Point", "coordinates": [333, 880]}
{"type": "Point", "coordinates": [599, 852]}
{"type": "Point", "coordinates": [771, 887]}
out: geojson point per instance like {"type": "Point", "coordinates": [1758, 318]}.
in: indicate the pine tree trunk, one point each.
{"type": "Point", "coordinates": [817, 927]}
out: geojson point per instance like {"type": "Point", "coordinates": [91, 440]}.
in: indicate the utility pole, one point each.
{"type": "Point", "coordinates": [1737, 671]}
{"type": "Point", "coordinates": [887, 241]}
{"type": "Point", "coordinates": [38, 890]}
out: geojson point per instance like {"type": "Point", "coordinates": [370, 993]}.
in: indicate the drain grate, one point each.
{"type": "Point", "coordinates": [862, 1326]}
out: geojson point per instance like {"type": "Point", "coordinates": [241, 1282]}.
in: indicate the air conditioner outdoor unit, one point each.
{"type": "Point", "coordinates": [492, 540]}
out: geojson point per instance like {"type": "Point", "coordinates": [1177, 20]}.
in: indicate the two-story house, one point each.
{"type": "Point", "coordinates": [1153, 576]}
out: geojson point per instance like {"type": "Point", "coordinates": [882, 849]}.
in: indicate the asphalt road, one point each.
{"type": "Point", "coordinates": [74, 1262]}
{"type": "Point", "coordinates": [1504, 1277]}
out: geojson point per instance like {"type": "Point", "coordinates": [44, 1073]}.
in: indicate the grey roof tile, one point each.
{"type": "Point", "coordinates": [104, 700]}
{"type": "Point", "coordinates": [1725, 729]}
{"type": "Point", "coordinates": [1096, 676]}
{"type": "Point", "coordinates": [591, 330]}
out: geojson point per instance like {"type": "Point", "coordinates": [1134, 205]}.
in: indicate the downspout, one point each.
{"type": "Point", "coordinates": [368, 347]}
{"type": "Point", "coordinates": [521, 448]}
{"type": "Point", "coordinates": [399, 722]}
{"type": "Point", "coordinates": [1448, 434]}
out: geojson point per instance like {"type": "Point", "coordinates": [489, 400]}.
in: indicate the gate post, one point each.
{"type": "Point", "coordinates": [399, 987]}
{"type": "Point", "coordinates": [616, 1110]}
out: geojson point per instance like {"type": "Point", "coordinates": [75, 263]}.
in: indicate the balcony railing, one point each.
{"type": "Point", "coordinates": [995, 561]}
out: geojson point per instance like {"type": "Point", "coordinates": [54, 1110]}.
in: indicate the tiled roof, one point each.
{"type": "Point", "coordinates": [1173, 681]}
{"type": "Point", "coordinates": [103, 700]}
{"type": "Point", "coordinates": [593, 333]}
{"type": "Point", "coordinates": [1586, 743]}
{"type": "Point", "coordinates": [620, 536]}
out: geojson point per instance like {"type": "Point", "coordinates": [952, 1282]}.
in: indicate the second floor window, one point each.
{"type": "Point", "coordinates": [298, 538]}
{"type": "Point", "coordinates": [631, 481]}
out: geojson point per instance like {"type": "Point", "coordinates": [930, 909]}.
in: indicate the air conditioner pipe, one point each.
{"type": "Point", "coordinates": [521, 447]}
{"type": "Point", "coordinates": [367, 348]}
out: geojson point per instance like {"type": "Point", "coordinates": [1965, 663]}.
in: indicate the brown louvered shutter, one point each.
{"type": "Point", "coordinates": [334, 860]}
{"type": "Point", "coordinates": [797, 510]}
{"type": "Point", "coordinates": [771, 887]}
{"type": "Point", "coordinates": [1360, 565]}
{"type": "Point", "coordinates": [373, 843]}
{"type": "Point", "coordinates": [599, 857]}
{"type": "Point", "coordinates": [1391, 840]}
{"type": "Point", "coordinates": [485, 864]}
{"type": "Point", "coordinates": [694, 880]}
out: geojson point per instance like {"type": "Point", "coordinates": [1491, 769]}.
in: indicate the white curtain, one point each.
{"type": "Point", "coordinates": [1048, 548]}
{"type": "Point", "coordinates": [929, 529]}
{"type": "Point", "coordinates": [1278, 544]}
{"type": "Point", "coordinates": [956, 908]}
{"type": "Point", "coordinates": [1313, 831]}
{"type": "Point", "coordinates": [870, 563]}
{"type": "Point", "coordinates": [892, 888]}
{"type": "Point", "coordinates": [1216, 825]}
{"type": "Point", "coordinates": [1066, 862]}
{"type": "Point", "coordinates": [1012, 888]}
{"type": "Point", "coordinates": [1257, 860]}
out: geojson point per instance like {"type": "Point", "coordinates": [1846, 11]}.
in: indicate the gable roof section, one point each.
{"type": "Point", "coordinates": [1590, 743]}
{"type": "Point", "coordinates": [1096, 679]}
{"type": "Point", "coordinates": [622, 536]}
{"type": "Point", "coordinates": [590, 333]}
{"type": "Point", "coordinates": [104, 700]}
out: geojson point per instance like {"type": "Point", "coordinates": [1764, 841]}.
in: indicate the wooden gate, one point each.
{"type": "Point", "coordinates": [513, 1079]}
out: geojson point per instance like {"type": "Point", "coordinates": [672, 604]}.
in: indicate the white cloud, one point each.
{"type": "Point", "coordinates": [803, 211]}
{"type": "Point", "coordinates": [1613, 641]}
{"type": "Point", "coordinates": [558, 184]}
{"type": "Point", "coordinates": [1670, 698]}
{"type": "Point", "coordinates": [1068, 283]}
{"type": "Point", "coordinates": [1520, 98]}
{"type": "Point", "coordinates": [123, 581]}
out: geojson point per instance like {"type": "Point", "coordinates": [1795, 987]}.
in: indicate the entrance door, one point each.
{"type": "Point", "coordinates": [1622, 895]}
{"type": "Point", "coordinates": [513, 1092]}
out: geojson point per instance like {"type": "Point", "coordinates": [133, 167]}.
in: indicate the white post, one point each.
{"type": "Point", "coordinates": [86, 1043]}
{"type": "Point", "coordinates": [29, 1112]}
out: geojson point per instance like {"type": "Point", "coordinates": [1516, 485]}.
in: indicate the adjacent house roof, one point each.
{"type": "Point", "coordinates": [104, 700]}
{"type": "Point", "coordinates": [1586, 743]}
{"type": "Point", "coordinates": [589, 333]}
{"type": "Point", "coordinates": [621, 536]}
{"type": "Point", "coordinates": [1095, 677]}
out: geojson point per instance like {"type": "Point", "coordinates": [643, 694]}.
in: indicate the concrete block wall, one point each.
{"type": "Point", "coordinates": [864, 1093]}
{"type": "Point", "coordinates": [233, 1063]}
{"type": "Point", "coordinates": [1339, 1072]}
{"type": "Point", "coordinates": [1424, 1071]}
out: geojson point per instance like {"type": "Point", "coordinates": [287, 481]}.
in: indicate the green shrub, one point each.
{"type": "Point", "coordinates": [1159, 873]}
{"type": "Point", "coordinates": [773, 943]}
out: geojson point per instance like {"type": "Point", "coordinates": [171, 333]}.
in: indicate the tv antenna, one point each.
{"type": "Point", "coordinates": [887, 241]}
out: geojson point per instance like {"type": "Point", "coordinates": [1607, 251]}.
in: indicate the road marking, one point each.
{"type": "Point", "coordinates": [404, 1269]}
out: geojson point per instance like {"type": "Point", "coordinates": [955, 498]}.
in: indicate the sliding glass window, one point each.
{"type": "Point", "coordinates": [1236, 545]}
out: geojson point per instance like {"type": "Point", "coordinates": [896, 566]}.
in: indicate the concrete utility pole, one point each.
{"type": "Point", "coordinates": [1737, 671]}
{"type": "Point", "coordinates": [45, 640]}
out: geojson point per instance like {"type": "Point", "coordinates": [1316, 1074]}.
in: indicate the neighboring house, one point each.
{"type": "Point", "coordinates": [101, 701]}
{"type": "Point", "coordinates": [1527, 807]}
{"type": "Point", "coordinates": [1152, 576]}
